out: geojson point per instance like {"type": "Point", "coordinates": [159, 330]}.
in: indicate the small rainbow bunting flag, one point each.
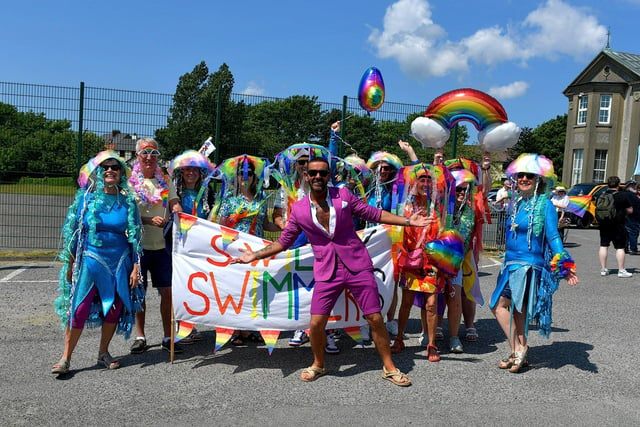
{"type": "Point", "coordinates": [229, 236]}
{"type": "Point", "coordinates": [222, 336]}
{"type": "Point", "coordinates": [184, 329]}
{"type": "Point", "coordinates": [270, 338]}
{"type": "Point", "coordinates": [354, 333]}
{"type": "Point", "coordinates": [185, 223]}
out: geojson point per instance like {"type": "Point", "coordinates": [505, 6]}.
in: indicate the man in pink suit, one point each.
{"type": "Point", "coordinates": [341, 261]}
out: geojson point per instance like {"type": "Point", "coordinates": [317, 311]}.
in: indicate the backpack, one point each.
{"type": "Point", "coordinates": [605, 207]}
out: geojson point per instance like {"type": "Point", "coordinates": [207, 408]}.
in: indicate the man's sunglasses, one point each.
{"type": "Point", "coordinates": [526, 174]}
{"type": "Point", "coordinates": [322, 172]}
{"type": "Point", "coordinates": [114, 167]}
{"type": "Point", "coordinates": [149, 152]}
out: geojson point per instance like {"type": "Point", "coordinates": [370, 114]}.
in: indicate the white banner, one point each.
{"type": "Point", "coordinates": [270, 294]}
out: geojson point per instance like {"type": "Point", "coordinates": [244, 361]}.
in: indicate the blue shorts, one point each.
{"type": "Point", "coordinates": [362, 286]}
{"type": "Point", "coordinates": [158, 263]}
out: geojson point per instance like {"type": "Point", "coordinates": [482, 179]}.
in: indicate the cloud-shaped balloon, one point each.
{"type": "Point", "coordinates": [429, 132]}
{"type": "Point", "coordinates": [499, 136]}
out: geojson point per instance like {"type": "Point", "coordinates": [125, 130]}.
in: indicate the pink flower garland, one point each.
{"type": "Point", "coordinates": [137, 180]}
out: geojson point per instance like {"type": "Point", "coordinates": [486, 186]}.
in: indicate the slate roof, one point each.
{"type": "Point", "coordinates": [629, 60]}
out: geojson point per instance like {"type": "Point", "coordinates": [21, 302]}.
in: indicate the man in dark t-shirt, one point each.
{"type": "Point", "coordinates": [613, 231]}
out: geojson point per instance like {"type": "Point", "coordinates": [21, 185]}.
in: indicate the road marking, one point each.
{"type": "Point", "coordinates": [13, 274]}
{"type": "Point", "coordinates": [494, 263]}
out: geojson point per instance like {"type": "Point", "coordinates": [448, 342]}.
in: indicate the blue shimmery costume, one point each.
{"type": "Point", "coordinates": [104, 262]}
{"type": "Point", "coordinates": [187, 200]}
{"type": "Point", "coordinates": [526, 269]}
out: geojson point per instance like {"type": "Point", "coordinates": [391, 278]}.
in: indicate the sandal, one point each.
{"type": "Point", "coordinates": [439, 334]}
{"type": "Point", "coordinates": [398, 346]}
{"type": "Point", "coordinates": [313, 372]}
{"type": "Point", "coordinates": [432, 353]}
{"type": "Point", "coordinates": [107, 361]}
{"type": "Point", "coordinates": [61, 367]}
{"type": "Point", "coordinates": [471, 335]}
{"type": "Point", "coordinates": [507, 362]}
{"type": "Point", "coordinates": [519, 361]}
{"type": "Point", "coordinates": [389, 376]}
{"type": "Point", "coordinates": [256, 337]}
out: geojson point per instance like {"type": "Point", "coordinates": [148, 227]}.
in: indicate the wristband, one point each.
{"type": "Point", "coordinates": [407, 222]}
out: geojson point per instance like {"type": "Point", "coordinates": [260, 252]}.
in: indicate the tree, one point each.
{"type": "Point", "coordinates": [547, 139]}
{"type": "Point", "coordinates": [192, 117]}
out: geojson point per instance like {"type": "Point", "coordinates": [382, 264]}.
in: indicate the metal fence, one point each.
{"type": "Point", "coordinates": [33, 211]}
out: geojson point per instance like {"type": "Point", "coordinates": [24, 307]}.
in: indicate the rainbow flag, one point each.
{"type": "Point", "coordinates": [184, 329]}
{"type": "Point", "coordinates": [270, 338]}
{"type": "Point", "coordinates": [222, 336]}
{"type": "Point", "coordinates": [578, 205]}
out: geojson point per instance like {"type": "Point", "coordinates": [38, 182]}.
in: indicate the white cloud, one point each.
{"type": "Point", "coordinates": [512, 90]}
{"type": "Point", "coordinates": [254, 89]}
{"type": "Point", "coordinates": [419, 45]}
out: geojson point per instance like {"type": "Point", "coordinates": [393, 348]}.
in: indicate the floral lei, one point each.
{"type": "Point", "coordinates": [137, 180]}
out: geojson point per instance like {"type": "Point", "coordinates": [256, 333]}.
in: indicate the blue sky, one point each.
{"type": "Point", "coordinates": [525, 53]}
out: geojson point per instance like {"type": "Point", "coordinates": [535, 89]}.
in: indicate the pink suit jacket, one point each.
{"type": "Point", "coordinates": [344, 244]}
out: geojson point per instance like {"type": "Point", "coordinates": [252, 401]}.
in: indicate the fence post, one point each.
{"type": "Point", "coordinates": [218, 119]}
{"type": "Point", "coordinates": [80, 126]}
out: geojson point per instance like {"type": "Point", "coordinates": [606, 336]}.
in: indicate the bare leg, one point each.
{"type": "Point", "coordinates": [602, 254]}
{"type": "Point", "coordinates": [454, 309]}
{"type": "Point", "coordinates": [318, 338]}
{"type": "Point", "coordinates": [405, 309]}
{"type": "Point", "coordinates": [519, 322]}
{"type": "Point", "coordinates": [503, 315]}
{"type": "Point", "coordinates": [620, 258]}
{"type": "Point", "coordinates": [431, 316]}
{"type": "Point", "coordinates": [468, 312]}
{"type": "Point", "coordinates": [108, 329]}
{"type": "Point", "coordinates": [391, 314]}
{"type": "Point", "coordinates": [71, 337]}
{"type": "Point", "coordinates": [381, 340]}
{"type": "Point", "coordinates": [140, 320]}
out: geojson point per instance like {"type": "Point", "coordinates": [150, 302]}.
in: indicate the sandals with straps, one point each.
{"type": "Point", "coordinates": [392, 376]}
{"type": "Point", "coordinates": [105, 360]}
{"type": "Point", "coordinates": [432, 353]}
{"type": "Point", "coordinates": [313, 372]}
{"type": "Point", "coordinates": [61, 367]}
{"type": "Point", "coordinates": [471, 335]}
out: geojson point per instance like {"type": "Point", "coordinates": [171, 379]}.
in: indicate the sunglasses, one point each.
{"type": "Point", "coordinates": [249, 173]}
{"type": "Point", "coordinates": [461, 189]}
{"type": "Point", "coordinates": [149, 152]}
{"type": "Point", "coordinates": [303, 162]}
{"type": "Point", "coordinates": [385, 168]}
{"type": "Point", "coordinates": [526, 174]}
{"type": "Point", "coordinates": [322, 172]}
{"type": "Point", "coordinates": [114, 167]}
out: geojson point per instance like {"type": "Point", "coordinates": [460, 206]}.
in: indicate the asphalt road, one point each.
{"type": "Point", "coordinates": [587, 374]}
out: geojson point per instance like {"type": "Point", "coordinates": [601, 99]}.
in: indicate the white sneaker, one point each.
{"type": "Point", "coordinates": [331, 347]}
{"type": "Point", "coordinates": [392, 327]}
{"type": "Point", "coordinates": [624, 273]}
{"type": "Point", "coordinates": [423, 339]}
{"type": "Point", "coordinates": [604, 272]}
{"type": "Point", "coordinates": [299, 337]}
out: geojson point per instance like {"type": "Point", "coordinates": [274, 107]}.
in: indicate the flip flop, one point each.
{"type": "Point", "coordinates": [389, 376]}
{"type": "Point", "coordinates": [314, 372]}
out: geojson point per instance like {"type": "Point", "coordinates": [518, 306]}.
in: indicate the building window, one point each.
{"type": "Point", "coordinates": [576, 174]}
{"type": "Point", "coordinates": [600, 165]}
{"type": "Point", "coordinates": [582, 110]}
{"type": "Point", "coordinates": [605, 109]}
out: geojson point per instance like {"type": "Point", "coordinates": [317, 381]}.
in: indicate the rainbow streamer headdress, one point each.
{"type": "Point", "coordinates": [383, 156]}
{"type": "Point", "coordinates": [354, 167]}
{"type": "Point", "coordinates": [229, 170]}
{"type": "Point", "coordinates": [89, 168]}
{"type": "Point", "coordinates": [190, 158]}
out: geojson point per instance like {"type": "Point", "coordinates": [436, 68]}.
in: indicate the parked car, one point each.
{"type": "Point", "coordinates": [593, 189]}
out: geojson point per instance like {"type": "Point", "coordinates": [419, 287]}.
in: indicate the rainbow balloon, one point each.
{"type": "Point", "coordinates": [446, 252]}
{"type": "Point", "coordinates": [472, 105]}
{"type": "Point", "coordinates": [371, 90]}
